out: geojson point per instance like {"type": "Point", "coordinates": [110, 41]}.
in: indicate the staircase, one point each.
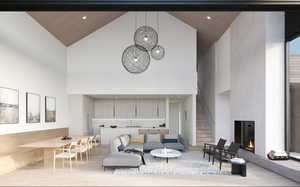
{"type": "Point", "coordinates": [204, 129]}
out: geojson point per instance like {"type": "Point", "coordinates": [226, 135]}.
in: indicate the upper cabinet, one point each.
{"type": "Point", "coordinates": [151, 108]}
{"type": "Point", "coordinates": [104, 109]}
{"type": "Point", "coordinates": [161, 108]}
{"type": "Point", "coordinates": [147, 109]}
{"type": "Point", "coordinates": [125, 109]}
{"type": "Point", "coordinates": [130, 108]}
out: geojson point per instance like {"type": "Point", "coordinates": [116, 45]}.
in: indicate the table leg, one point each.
{"type": "Point", "coordinates": [167, 160]}
{"type": "Point", "coordinates": [48, 157]}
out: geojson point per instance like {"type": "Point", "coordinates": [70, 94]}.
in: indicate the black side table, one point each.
{"type": "Point", "coordinates": [239, 168]}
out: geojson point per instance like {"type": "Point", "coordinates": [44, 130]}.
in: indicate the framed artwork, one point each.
{"type": "Point", "coordinates": [50, 109]}
{"type": "Point", "coordinates": [33, 108]}
{"type": "Point", "coordinates": [9, 106]}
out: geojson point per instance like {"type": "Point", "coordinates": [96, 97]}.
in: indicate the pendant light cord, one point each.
{"type": "Point", "coordinates": [135, 21]}
{"type": "Point", "coordinates": [146, 18]}
{"type": "Point", "coordinates": [157, 22]}
{"type": "Point", "coordinates": [135, 28]}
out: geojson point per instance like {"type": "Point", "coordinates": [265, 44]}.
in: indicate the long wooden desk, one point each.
{"type": "Point", "coordinates": [50, 145]}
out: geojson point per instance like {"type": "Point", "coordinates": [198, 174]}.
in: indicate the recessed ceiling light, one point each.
{"type": "Point", "coordinates": [208, 17]}
{"type": "Point", "coordinates": [84, 17]}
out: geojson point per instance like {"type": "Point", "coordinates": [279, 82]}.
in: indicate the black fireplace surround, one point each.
{"type": "Point", "coordinates": [244, 134]}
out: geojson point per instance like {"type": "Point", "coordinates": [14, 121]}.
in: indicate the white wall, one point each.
{"type": "Point", "coordinates": [174, 118]}
{"type": "Point", "coordinates": [275, 55]}
{"type": "Point", "coordinates": [189, 119]}
{"type": "Point", "coordinates": [256, 88]}
{"type": "Point", "coordinates": [222, 63]}
{"type": "Point", "coordinates": [223, 125]}
{"type": "Point", "coordinates": [81, 112]}
{"type": "Point", "coordinates": [94, 63]}
{"type": "Point", "coordinates": [76, 126]}
{"type": "Point", "coordinates": [88, 114]}
{"type": "Point", "coordinates": [206, 76]}
{"type": "Point", "coordinates": [32, 60]}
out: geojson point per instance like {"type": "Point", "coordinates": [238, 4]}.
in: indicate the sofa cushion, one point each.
{"type": "Point", "coordinates": [170, 136]}
{"type": "Point", "coordinates": [115, 144]}
{"type": "Point", "coordinates": [167, 138]}
{"type": "Point", "coordinates": [148, 146]}
{"type": "Point", "coordinates": [153, 138]}
{"type": "Point", "coordinates": [125, 139]}
{"type": "Point", "coordinates": [121, 159]}
{"type": "Point", "coordinates": [135, 146]}
{"type": "Point", "coordinates": [137, 139]}
{"type": "Point", "coordinates": [176, 146]}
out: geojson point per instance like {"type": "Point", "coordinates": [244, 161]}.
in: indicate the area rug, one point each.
{"type": "Point", "coordinates": [190, 163]}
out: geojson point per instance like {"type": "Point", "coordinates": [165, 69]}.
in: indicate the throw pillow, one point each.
{"type": "Point", "coordinates": [153, 138]}
{"type": "Point", "coordinates": [115, 144]}
{"type": "Point", "coordinates": [121, 147]}
{"type": "Point", "coordinates": [124, 140]}
{"type": "Point", "coordinates": [137, 139]}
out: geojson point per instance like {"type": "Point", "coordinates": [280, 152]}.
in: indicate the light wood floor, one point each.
{"type": "Point", "coordinates": [91, 174]}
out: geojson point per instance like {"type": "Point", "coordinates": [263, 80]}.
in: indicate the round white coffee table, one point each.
{"type": "Point", "coordinates": [165, 153]}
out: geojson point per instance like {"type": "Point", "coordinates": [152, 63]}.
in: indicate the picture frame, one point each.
{"type": "Point", "coordinates": [33, 108]}
{"type": "Point", "coordinates": [50, 109]}
{"type": "Point", "coordinates": [9, 106]}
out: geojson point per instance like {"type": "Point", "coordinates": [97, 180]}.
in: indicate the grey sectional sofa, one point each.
{"type": "Point", "coordinates": [119, 158]}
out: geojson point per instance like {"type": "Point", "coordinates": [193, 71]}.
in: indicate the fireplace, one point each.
{"type": "Point", "coordinates": [244, 134]}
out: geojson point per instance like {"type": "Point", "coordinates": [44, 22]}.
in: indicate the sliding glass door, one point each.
{"type": "Point", "coordinates": [293, 95]}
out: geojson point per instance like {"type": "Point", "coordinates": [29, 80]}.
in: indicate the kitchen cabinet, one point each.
{"type": "Point", "coordinates": [104, 109]}
{"type": "Point", "coordinates": [125, 108]}
{"type": "Point", "coordinates": [130, 108]}
{"type": "Point", "coordinates": [147, 109]}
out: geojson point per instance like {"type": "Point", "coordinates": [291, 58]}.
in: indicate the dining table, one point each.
{"type": "Point", "coordinates": [50, 145]}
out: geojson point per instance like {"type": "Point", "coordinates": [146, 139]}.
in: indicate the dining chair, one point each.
{"type": "Point", "coordinates": [90, 143]}
{"type": "Point", "coordinates": [65, 153]}
{"type": "Point", "coordinates": [82, 147]}
{"type": "Point", "coordinates": [96, 140]}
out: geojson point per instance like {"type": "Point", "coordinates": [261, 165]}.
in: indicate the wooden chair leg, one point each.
{"type": "Point", "coordinates": [70, 161]}
{"type": "Point", "coordinates": [54, 163]}
{"type": "Point", "coordinates": [81, 156]}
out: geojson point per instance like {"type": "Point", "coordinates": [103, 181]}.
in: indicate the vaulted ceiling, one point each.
{"type": "Point", "coordinates": [69, 27]}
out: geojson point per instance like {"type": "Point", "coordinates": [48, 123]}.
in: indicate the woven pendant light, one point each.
{"type": "Point", "coordinates": [146, 36]}
{"type": "Point", "coordinates": [135, 59]}
{"type": "Point", "coordinates": [158, 52]}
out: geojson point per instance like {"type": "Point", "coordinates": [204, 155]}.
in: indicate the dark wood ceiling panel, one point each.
{"type": "Point", "coordinates": [69, 27]}
{"type": "Point", "coordinates": [208, 30]}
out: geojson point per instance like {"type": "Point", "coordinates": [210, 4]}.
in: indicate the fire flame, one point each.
{"type": "Point", "coordinates": [251, 144]}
